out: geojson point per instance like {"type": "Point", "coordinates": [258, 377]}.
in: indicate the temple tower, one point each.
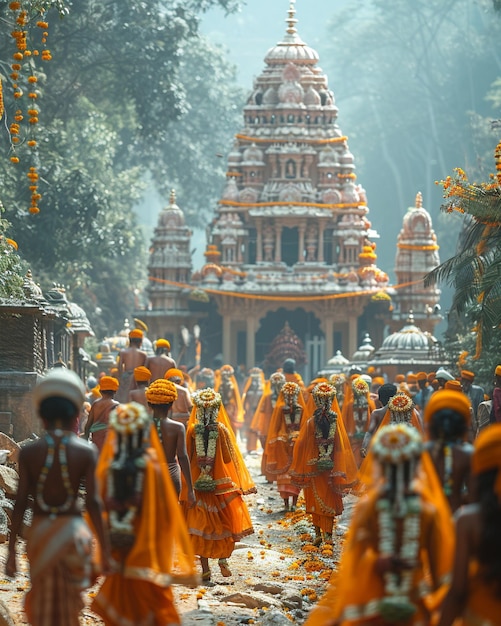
{"type": "Point", "coordinates": [169, 269]}
{"type": "Point", "coordinates": [291, 228]}
{"type": "Point", "coordinates": [417, 254]}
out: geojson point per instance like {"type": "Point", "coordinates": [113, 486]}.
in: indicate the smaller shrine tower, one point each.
{"type": "Point", "coordinates": [417, 254]}
{"type": "Point", "coordinates": [169, 269]}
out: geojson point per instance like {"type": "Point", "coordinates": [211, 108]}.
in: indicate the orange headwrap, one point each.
{"type": "Point", "coordinates": [161, 391]}
{"type": "Point", "coordinates": [455, 385]}
{"type": "Point", "coordinates": [378, 380]}
{"type": "Point", "coordinates": [162, 343]}
{"type": "Point", "coordinates": [467, 375]}
{"type": "Point", "coordinates": [108, 383]}
{"type": "Point", "coordinates": [411, 378]}
{"type": "Point", "coordinates": [497, 371]}
{"type": "Point", "coordinates": [142, 373]}
{"type": "Point", "coordinates": [173, 373]}
{"type": "Point", "coordinates": [448, 399]}
{"type": "Point", "coordinates": [421, 376]}
{"type": "Point", "coordinates": [114, 371]}
{"type": "Point", "coordinates": [487, 454]}
{"type": "Point", "coordinates": [399, 378]}
{"type": "Point", "coordinates": [136, 334]}
{"type": "Point", "coordinates": [431, 377]}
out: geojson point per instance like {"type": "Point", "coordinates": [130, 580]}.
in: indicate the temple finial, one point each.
{"type": "Point", "coordinates": [419, 200]}
{"type": "Point", "coordinates": [172, 198]}
{"type": "Point", "coordinates": [291, 19]}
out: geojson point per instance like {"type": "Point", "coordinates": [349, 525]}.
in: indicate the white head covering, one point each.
{"type": "Point", "coordinates": [60, 383]}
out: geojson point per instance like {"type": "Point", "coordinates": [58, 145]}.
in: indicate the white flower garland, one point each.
{"type": "Point", "coordinates": [207, 402]}
{"type": "Point", "coordinates": [396, 605]}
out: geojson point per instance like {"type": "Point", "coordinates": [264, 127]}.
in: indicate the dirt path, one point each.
{"type": "Point", "coordinates": [277, 574]}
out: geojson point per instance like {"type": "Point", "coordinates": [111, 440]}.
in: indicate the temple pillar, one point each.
{"type": "Point", "coordinates": [259, 243]}
{"type": "Point", "coordinates": [227, 339]}
{"type": "Point", "coordinates": [320, 251]}
{"type": "Point", "coordinates": [278, 243]}
{"type": "Point", "coordinates": [301, 231]}
{"type": "Point", "coordinates": [328, 324]}
{"type": "Point", "coordinates": [251, 341]}
{"type": "Point", "coordinates": [352, 335]}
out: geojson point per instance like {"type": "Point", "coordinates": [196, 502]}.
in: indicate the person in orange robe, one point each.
{"type": "Point", "coordinates": [398, 554]}
{"type": "Point", "coordinates": [231, 398]}
{"type": "Point", "coordinates": [251, 396]}
{"type": "Point", "coordinates": [262, 417]}
{"type": "Point", "coordinates": [148, 534]}
{"type": "Point", "coordinates": [475, 592]}
{"type": "Point", "coordinates": [323, 462]}
{"type": "Point", "coordinates": [220, 517]}
{"type": "Point", "coordinates": [357, 408]}
{"type": "Point", "coordinates": [284, 429]}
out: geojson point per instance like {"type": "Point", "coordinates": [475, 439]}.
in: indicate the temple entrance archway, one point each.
{"type": "Point", "coordinates": [304, 324]}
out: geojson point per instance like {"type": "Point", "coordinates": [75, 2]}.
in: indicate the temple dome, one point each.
{"type": "Point", "coordinates": [292, 48]}
{"type": "Point", "coordinates": [172, 216]}
{"type": "Point", "coordinates": [409, 339]}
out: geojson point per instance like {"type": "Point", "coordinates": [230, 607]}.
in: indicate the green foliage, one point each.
{"type": "Point", "coordinates": [119, 80]}
{"type": "Point", "coordinates": [407, 76]}
{"type": "Point", "coordinates": [11, 266]}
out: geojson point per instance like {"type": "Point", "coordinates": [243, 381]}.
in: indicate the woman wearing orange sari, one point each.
{"type": "Point", "coordinates": [220, 517]}
{"type": "Point", "coordinates": [148, 534]}
{"type": "Point", "coordinates": [398, 554]}
{"type": "Point", "coordinates": [284, 430]}
{"type": "Point", "coordinates": [323, 462]}
{"type": "Point", "coordinates": [357, 408]}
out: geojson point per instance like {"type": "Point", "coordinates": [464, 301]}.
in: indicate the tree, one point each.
{"type": "Point", "coordinates": [107, 101]}
{"type": "Point", "coordinates": [407, 75]}
{"type": "Point", "coordinates": [475, 271]}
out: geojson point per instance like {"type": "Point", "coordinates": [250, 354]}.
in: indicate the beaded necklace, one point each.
{"type": "Point", "coordinates": [63, 462]}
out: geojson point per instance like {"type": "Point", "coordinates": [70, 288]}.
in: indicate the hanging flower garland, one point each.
{"type": "Point", "coordinates": [291, 410]}
{"type": "Point", "coordinates": [129, 421]}
{"type": "Point", "coordinates": [396, 606]}
{"type": "Point", "coordinates": [207, 403]}
{"type": "Point", "coordinates": [324, 394]}
{"type": "Point", "coordinates": [28, 17]}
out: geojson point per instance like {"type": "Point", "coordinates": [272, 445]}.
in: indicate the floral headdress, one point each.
{"type": "Point", "coordinates": [400, 407]}
{"type": "Point", "coordinates": [207, 403]}
{"type": "Point", "coordinates": [323, 393]}
{"type": "Point", "coordinates": [337, 379]}
{"type": "Point", "coordinates": [127, 419]}
{"type": "Point", "coordinates": [397, 443]}
{"type": "Point", "coordinates": [290, 392]}
{"type": "Point", "coordinates": [161, 391]}
{"type": "Point", "coordinates": [360, 387]}
{"type": "Point", "coordinates": [227, 370]}
{"type": "Point", "coordinates": [277, 378]}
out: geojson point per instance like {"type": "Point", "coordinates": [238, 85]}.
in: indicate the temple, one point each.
{"type": "Point", "coordinates": [290, 241]}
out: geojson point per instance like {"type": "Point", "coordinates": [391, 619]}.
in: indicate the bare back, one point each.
{"type": "Point", "coordinates": [158, 365]}
{"type": "Point", "coordinates": [81, 463]}
{"type": "Point", "coordinates": [130, 358]}
{"type": "Point", "coordinates": [173, 440]}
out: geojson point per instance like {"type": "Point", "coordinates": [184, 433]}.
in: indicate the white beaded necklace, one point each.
{"type": "Point", "coordinates": [49, 461]}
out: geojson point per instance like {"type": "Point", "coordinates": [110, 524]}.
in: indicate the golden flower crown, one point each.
{"type": "Point", "coordinates": [161, 391]}
{"type": "Point", "coordinates": [360, 387]}
{"type": "Point", "coordinates": [400, 403]}
{"type": "Point", "coordinates": [324, 392]}
{"type": "Point", "coordinates": [207, 399]}
{"type": "Point", "coordinates": [290, 391]}
{"type": "Point", "coordinates": [337, 379]}
{"type": "Point", "coordinates": [276, 378]}
{"type": "Point", "coordinates": [128, 418]}
{"type": "Point", "coordinates": [396, 444]}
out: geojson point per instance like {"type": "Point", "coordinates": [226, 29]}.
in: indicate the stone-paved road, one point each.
{"type": "Point", "coordinates": [277, 574]}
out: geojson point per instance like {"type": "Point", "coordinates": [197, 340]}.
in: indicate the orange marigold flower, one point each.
{"type": "Point", "coordinates": [41, 24]}
{"type": "Point", "coordinates": [18, 56]}
{"type": "Point", "coordinates": [32, 79]}
{"type": "Point", "coordinates": [34, 210]}
{"type": "Point", "coordinates": [16, 66]}
{"type": "Point", "coordinates": [14, 6]}
{"type": "Point", "coordinates": [32, 95]}
{"type": "Point", "coordinates": [14, 139]}
{"type": "Point", "coordinates": [14, 159]}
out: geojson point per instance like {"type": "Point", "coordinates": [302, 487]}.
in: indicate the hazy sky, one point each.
{"type": "Point", "coordinates": [260, 24]}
